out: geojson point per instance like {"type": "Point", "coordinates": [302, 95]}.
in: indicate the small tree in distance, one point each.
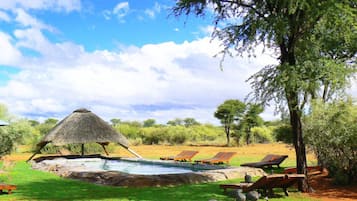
{"type": "Point", "coordinates": [229, 112]}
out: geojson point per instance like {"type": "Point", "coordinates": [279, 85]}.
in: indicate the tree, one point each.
{"type": "Point", "coordinates": [115, 121]}
{"type": "Point", "coordinates": [175, 122]}
{"type": "Point", "coordinates": [190, 122]}
{"type": "Point", "coordinates": [4, 114]}
{"type": "Point", "coordinates": [229, 112]}
{"type": "Point", "coordinates": [6, 143]}
{"type": "Point", "coordinates": [288, 27]}
{"type": "Point", "coordinates": [251, 119]}
{"type": "Point", "coordinates": [149, 123]}
{"type": "Point", "coordinates": [47, 125]}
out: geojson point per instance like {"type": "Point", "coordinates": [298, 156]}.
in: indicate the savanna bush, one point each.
{"type": "Point", "coordinates": [262, 134]}
{"type": "Point", "coordinates": [283, 133]}
{"type": "Point", "coordinates": [331, 130]}
{"type": "Point", "coordinates": [178, 134]}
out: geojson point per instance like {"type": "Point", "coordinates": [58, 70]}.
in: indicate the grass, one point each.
{"type": "Point", "coordinates": [37, 185]}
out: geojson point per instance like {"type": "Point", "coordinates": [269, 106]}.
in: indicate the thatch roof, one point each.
{"type": "Point", "coordinates": [83, 126]}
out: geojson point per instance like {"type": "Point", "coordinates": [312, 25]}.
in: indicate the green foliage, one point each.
{"type": "Point", "coordinates": [283, 133]}
{"type": "Point", "coordinates": [129, 130]}
{"type": "Point", "coordinates": [251, 119]}
{"type": "Point", "coordinates": [229, 112]}
{"type": "Point", "coordinates": [149, 122]}
{"type": "Point", "coordinates": [4, 113]}
{"type": "Point", "coordinates": [6, 143]}
{"type": "Point", "coordinates": [175, 122]}
{"type": "Point", "coordinates": [262, 134]}
{"type": "Point", "coordinates": [190, 122]}
{"type": "Point", "coordinates": [331, 130]}
{"type": "Point", "coordinates": [115, 122]}
{"type": "Point", "coordinates": [19, 131]}
{"type": "Point", "coordinates": [298, 31]}
{"type": "Point", "coordinates": [195, 134]}
{"type": "Point", "coordinates": [153, 135]}
{"type": "Point", "coordinates": [45, 127]}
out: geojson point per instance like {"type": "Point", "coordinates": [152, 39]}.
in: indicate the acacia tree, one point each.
{"type": "Point", "coordinates": [229, 112]}
{"type": "Point", "coordinates": [289, 27]}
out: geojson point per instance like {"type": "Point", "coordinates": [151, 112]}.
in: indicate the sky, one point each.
{"type": "Point", "coordinates": [130, 60]}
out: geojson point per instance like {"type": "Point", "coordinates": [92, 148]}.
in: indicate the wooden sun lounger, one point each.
{"type": "Point", "coordinates": [7, 187]}
{"type": "Point", "coordinates": [267, 183]}
{"type": "Point", "coordinates": [268, 161]}
{"type": "Point", "coordinates": [219, 158]}
{"type": "Point", "coordinates": [185, 155]}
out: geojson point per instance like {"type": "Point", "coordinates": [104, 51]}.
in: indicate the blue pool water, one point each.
{"type": "Point", "coordinates": [126, 166]}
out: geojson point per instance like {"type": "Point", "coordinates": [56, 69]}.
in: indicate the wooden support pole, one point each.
{"type": "Point", "coordinates": [82, 149]}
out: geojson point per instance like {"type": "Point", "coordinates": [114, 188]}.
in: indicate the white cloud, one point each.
{"type": "Point", "coordinates": [4, 16]}
{"type": "Point", "coordinates": [55, 5]}
{"type": "Point", "coordinates": [121, 10]}
{"type": "Point", "coordinates": [28, 21]}
{"type": "Point", "coordinates": [161, 81]}
{"type": "Point", "coordinates": [10, 55]}
{"type": "Point", "coordinates": [153, 11]}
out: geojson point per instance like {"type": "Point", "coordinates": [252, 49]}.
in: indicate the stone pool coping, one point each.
{"type": "Point", "coordinates": [115, 178]}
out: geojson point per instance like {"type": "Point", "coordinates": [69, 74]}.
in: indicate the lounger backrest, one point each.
{"type": "Point", "coordinates": [186, 153]}
{"type": "Point", "coordinates": [268, 181]}
{"type": "Point", "coordinates": [228, 155]}
{"type": "Point", "coordinates": [274, 158]}
{"type": "Point", "coordinates": [219, 155]}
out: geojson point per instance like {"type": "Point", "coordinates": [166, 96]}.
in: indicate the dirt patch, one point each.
{"type": "Point", "coordinates": [325, 190]}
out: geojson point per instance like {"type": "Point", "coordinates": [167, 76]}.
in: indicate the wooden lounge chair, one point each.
{"type": "Point", "coordinates": [268, 161]}
{"type": "Point", "coordinates": [219, 158]}
{"type": "Point", "coordinates": [267, 183]}
{"type": "Point", "coordinates": [183, 156]}
{"type": "Point", "coordinates": [7, 187]}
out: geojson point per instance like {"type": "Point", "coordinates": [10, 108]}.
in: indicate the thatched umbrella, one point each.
{"type": "Point", "coordinates": [80, 127]}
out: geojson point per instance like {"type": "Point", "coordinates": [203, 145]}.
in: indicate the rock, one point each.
{"type": "Point", "coordinates": [252, 195]}
{"type": "Point", "coordinates": [240, 195]}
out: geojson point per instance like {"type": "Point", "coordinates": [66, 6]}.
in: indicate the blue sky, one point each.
{"type": "Point", "coordinates": [121, 59]}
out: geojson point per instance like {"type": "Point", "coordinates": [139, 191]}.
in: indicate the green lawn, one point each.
{"type": "Point", "coordinates": [37, 185]}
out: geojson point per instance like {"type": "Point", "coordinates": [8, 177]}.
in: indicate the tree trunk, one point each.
{"type": "Point", "coordinates": [227, 130]}
{"type": "Point", "coordinates": [300, 151]}
{"type": "Point", "coordinates": [292, 97]}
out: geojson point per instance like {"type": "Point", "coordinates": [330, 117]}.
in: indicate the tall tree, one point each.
{"type": "Point", "coordinates": [251, 119]}
{"type": "Point", "coordinates": [229, 112]}
{"type": "Point", "coordinates": [289, 26]}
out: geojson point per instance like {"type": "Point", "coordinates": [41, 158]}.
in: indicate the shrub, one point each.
{"type": "Point", "coordinates": [153, 135]}
{"type": "Point", "coordinates": [331, 130]}
{"type": "Point", "coordinates": [283, 133]}
{"type": "Point", "coordinates": [262, 134]}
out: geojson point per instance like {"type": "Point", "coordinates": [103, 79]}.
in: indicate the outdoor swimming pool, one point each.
{"type": "Point", "coordinates": [140, 167]}
{"type": "Point", "coordinates": [137, 172]}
